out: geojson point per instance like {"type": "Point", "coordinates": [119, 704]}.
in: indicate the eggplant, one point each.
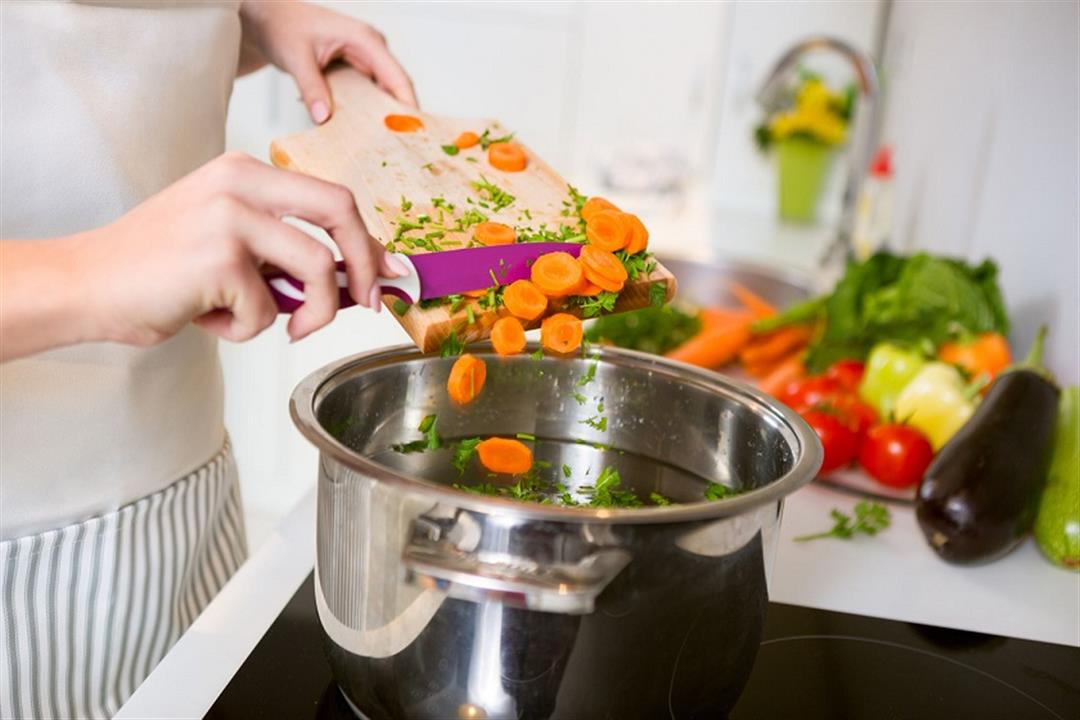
{"type": "Point", "coordinates": [980, 495]}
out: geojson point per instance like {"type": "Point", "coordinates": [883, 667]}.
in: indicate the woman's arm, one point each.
{"type": "Point", "coordinates": [191, 253]}
{"type": "Point", "coordinates": [303, 39]}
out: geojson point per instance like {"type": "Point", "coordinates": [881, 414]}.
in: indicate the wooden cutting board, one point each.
{"type": "Point", "coordinates": [397, 177]}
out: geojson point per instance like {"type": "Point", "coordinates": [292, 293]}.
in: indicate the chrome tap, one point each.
{"type": "Point", "coordinates": [864, 125]}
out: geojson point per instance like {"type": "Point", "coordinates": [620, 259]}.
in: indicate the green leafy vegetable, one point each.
{"type": "Point", "coordinates": [888, 297]}
{"type": "Point", "coordinates": [870, 519]}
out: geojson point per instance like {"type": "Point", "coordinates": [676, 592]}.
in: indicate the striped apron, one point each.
{"type": "Point", "coordinates": [88, 610]}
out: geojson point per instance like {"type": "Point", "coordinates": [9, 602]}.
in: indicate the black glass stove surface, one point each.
{"type": "Point", "coordinates": [812, 664]}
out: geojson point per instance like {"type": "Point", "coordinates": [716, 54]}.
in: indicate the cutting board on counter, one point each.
{"type": "Point", "coordinates": [400, 176]}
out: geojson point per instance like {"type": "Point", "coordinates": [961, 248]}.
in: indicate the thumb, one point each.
{"type": "Point", "coordinates": [312, 85]}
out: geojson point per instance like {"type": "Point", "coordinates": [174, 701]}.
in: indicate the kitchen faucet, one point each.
{"type": "Point", "coordinates": [864, 126]}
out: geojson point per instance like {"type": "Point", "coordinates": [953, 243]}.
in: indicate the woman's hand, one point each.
{"type": "Point", "coordinates": [193, 252]}
{"type": "Point", "coordinates": [302, 40]}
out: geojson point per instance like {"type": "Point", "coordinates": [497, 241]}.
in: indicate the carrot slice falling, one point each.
{"type": "Point", "coordinates": [466, 379]}
{"type": "Point", "coordinates": [561, 333]}
{"type": "Point", "coordinates": [502, 455]}
{"type": "Point", "coordinates": [403, 123]}
{"type": "Point", "coordinates": [507, 156]}
{"type": "Point", "coordinates": [604, 263]}
{"type": "Point", "coordinates": [639, 235]}
{"type": "Point", "coordinates": [524, 300]}
{"type": "Point", "coordinates": [508, 336]}
{"type": "Point", "coordinates": [759, 306]}
{"type": "Point", "coordinates": [466, 140]}
{"type": "Point", "coordinates": [557, 274]}
{"type": "Point", "coordinates": [493, 233]}
{"type": "Point", "coordinates": [608, 230]}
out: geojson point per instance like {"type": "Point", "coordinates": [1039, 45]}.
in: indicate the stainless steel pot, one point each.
{"type": "Point", "coordinates": [439, 603]}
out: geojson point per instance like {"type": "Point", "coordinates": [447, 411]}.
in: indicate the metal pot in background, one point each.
{"type": "Point", "coordinates": [440, 604]}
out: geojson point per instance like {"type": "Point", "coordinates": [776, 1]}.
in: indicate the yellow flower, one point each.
{"type": "Point", "coordinates": [814, 115]}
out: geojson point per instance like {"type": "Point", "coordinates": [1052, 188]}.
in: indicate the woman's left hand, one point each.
{"type": "Point", "coordinates": [303, 39]}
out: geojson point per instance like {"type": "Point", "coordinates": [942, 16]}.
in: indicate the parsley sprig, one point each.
{"type": "Point", "coordinates": [870, 519]}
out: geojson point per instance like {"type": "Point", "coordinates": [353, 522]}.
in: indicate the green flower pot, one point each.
{"type": "Point", "coordinates": [804, 166]}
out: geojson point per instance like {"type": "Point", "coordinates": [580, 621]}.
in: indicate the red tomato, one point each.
{"type": "Point", "coordinates": [896, 455]}
{"type": "Point", "coordinates": [839, 440]}
{"type": "Point", "coordinates": [846, 373]}
{"type": "Point", "coordinates": [808, 392]}
{"type": "Point", "coordinates": [858, 415]}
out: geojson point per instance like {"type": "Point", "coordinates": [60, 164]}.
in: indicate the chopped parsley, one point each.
{"type": "Point", "coordinates": [463, 453]}
{"type": "Point", "coordinates": [590, 373]}
{"type": "Point", "coordinates": [493, 193]}
{"type": "Point", "coordinates": [452, 345]}
{"type": "Point", "coordinates": [450, 149]}
{"type": "Point", "coordinates": [566, 471]}
{"type": "Point", "coordinates": [400, 307]}
{"type": "Point", "coordinates": [486, 140]}
{"type": "Point", "coordinates": [599, 422]}
{"type": "Point", "coordinates": [657, 294]}
{"type": "Point", "coordinates": [870, 519]}
{"type": "Point", "coordinates": [658, 499]}
{"type": "Point", "coordinates": [431, 440]}
{"type": "Point", "coordinates": [594, 306]}
{"type": "Point", "coordinates": [430, 167]}
{"type": "Point", "coordinates": [406, 204]}
{"type": "Point", "coordinates": [716, 491]}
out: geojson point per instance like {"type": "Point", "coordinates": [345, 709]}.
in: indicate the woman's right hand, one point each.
{"type": "Point", "coordinates": [194, 251]}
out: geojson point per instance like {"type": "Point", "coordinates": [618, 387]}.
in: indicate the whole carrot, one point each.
{"type": "Point", "coordinates": [713, 346]}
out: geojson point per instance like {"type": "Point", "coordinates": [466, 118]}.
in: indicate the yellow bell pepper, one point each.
{"type": "Point", "coordinates": [936, 402]}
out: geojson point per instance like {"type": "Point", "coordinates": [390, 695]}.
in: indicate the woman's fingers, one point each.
{"type": "Point", "coordinates": [375, 59]}
{"type": "Point", "coordinates": [247, 306]}
{"type": "Point", "coordinates": [306, 71]}
{"type": "Point", "coordinates": [330, 206]}
{"type": "Point", "coordinates": [303, 257]}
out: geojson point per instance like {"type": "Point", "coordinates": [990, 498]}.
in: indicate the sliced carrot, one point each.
{"type": "Point", "coordinates": [603, 262]}
{"type": "Point", "coordinates": [770, 347]}
{"type": "Point", "coordinates": [713, 346]}
{"type": "Point", "coordinates": [403, 123]}
{"type": "Point", "coordinates": [593, 278]}
{"type": "Point", "coordinates": [466, 140]}
{"type": "Point", "coordinates": [786, 372]}
{"type": "Point", "coordinates": [561, 333]}
{"type": "Point", "coordinates": [475, 293]}
{"type": "Point", "coordinates": [608, 230]}
{"type": "Point", "coordinates": [590, 289]}
{"type": "Point", "coordinates": [508, 336]}
{"type": "Point", "coordinates": [594, 205]}
{"type": "Point", "coordinates": [507, 156]}
{"type": "Point", "coordinates": [493, 233]}
{"type": "Point", "coordinates": [466, 379]}
{"type": "Point", "coordinates": [639, 235]}
{"type": "Point", "coordinates": [524, 300]}
{"type": "Point", "coordinates": [557, 274]}
{"type": "Point", "coordinates": [503, 455]}
{"type": "Point", "coordinates": [759, 306]}
{"type": "Point", "coordinates": [716, 315]}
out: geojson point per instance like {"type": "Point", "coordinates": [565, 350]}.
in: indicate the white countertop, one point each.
{"type": "Point", "coordinates": [893, 575]}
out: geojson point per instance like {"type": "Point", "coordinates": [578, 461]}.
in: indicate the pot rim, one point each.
{"type": "Point", "coordinates": [804, 443]}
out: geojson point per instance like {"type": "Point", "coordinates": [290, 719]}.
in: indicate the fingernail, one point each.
{"type": "Point", "coordinates": [376, 298]}
{"type": "Point", "coordinates": [396, 265]}
{"type": "Point", "coordinates": [320, 111]}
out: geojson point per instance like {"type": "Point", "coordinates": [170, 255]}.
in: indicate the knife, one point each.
{"type": "Point", "coordinates": [434, 275]}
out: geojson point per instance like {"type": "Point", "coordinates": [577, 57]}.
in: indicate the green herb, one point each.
{"type": "Point", "coordinates": [590, 373]}
{"type": "Point", "coordinates": [441, 203]}
{"type": "Point", "coordinates": [581, 399]}
{"type": "Point", "coordinates": [898, 299]}
{"type": "Point", "coordinates": [469, 314]}
{"type": "Point", "coordinates": [378, 209]}
{"type": "Point", "coordinates": [658, 499]}
{"type": "Point", "coordinates": [657, 294]}
{"type": "Point", "coordinates": [566, 471]}
{"type": "Point", "coordinates": [450, 149]}
{"type": "Point", "coordinates": [452, 345]}
{"type": "Point", "coordinates": [456, 301]}
{"type": "Point", "coordinates": [430, 167]}
{"type": "Point", "coordinates": [470, 218]}
{"type": "Point", "coordinates": [716, 491]}
{"type": "Point", "coordinates": [384, 165]}
{"type": "Point", "coordinates": [594, 306]}
{"type": "Point", "coordinates": [471, 159]}
{"type": "Point", "coordinates": [431, 441]}
{"type": "Point", "coordinates": [606, 492]}
{"type": "Point", "coordinates": [636, 265]}
{"type": "Point", "coordinates": [870, 519]}
{"type": "Point", "coordinates": [653, 330]}
{"type": "Point", "coordinates": [538, 355]}
{"type": "Point", "coordinates": [526, 436]}
{"type": "Point", "coordinates": [486, 140]}
{"type": "Point", "coordinates": [463, 453]}
{"type": "Point", "coordinates": [481, 489]}
{"type": "Point", "coordinates": [493, 193]}
{"type": "Point", "coordinates": [598, 422]}
{"type": "Point", "coordinates": [400, 307]}
{"type": "Point", "coordinates": [406, 205]}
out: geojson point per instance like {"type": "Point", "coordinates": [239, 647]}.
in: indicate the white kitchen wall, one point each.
{"type": "Point", "coordinates": [983, 113]}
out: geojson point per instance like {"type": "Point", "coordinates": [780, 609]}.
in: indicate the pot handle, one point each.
{"type": "Point", "coordinates": [434, 561]}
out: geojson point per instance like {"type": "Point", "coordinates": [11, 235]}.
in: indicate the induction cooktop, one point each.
{"type": "Point", "coordinates": [812, 664]}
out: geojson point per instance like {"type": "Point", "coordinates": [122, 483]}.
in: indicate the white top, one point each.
{"type": "Point", "coordinates": [104, 105]}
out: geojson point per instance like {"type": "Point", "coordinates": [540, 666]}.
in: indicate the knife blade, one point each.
{"type": "Point", "coordinates": [434, 275]}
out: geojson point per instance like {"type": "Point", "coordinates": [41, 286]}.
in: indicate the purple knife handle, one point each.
{"type": "Point", "coordinates": [288, 292]}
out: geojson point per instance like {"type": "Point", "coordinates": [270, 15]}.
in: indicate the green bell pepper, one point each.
{"type": "Point", "coordinates": [937, 402]}
{"type": "Point", "coordinates": [888, 369]}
